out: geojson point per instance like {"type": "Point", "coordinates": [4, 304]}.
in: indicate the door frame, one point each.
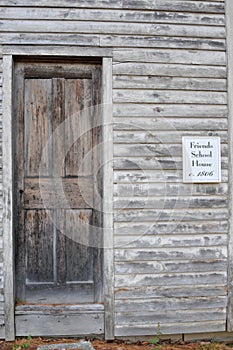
{"type": "Point", "coordinates": [9, 53]}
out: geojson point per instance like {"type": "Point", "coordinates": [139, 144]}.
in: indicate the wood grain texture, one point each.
{"type": "Point", "coordinates": [87, 27]}
{"type": "Point", "coordinates": [183, 304]}
{"type": "Point", "coordinates": [66, 320]}
{"type": "Point", "coordinates": [9, 287]}
{"type": "Point", "coordinates": [172, 328]}
{"type": "Point", "coordinates": [57, 143]}
{"type": "Point", "coordinates": [150, 241]}
{"type": "Point", "coordinates": [167, 189]}
{"type": "Point", "coordinates": [163, 96]}
{"type": "Point", "coordinates": [156, 267]}
{"type": "Point", "coordinates": [110, 15]}
{"type": "Point", "coordinates": [171, 124]}
{"type": "Point", "coordinates": [182, 316]}
{"type": "Point", "coordinates": [37, 116]}
{"type": "Point", "coordinates": [49, 39]}
{"type": "Point", "coordinates": [168, 83]}
{"type": "Point", "coordinates": [176, 5]}
{"type": "Point", "coordinates": [56, 50]}
{"type": "Point", "coordinates": [156, 42]}
{"type": "Point", "coordinates": [156, 150]}
{"type": "Point", "coordinates": [39, 246]}
{"type": "Point", "coordinates": [148, 176]}
{"type": "Point", "coordinates": [138, 229]}
{"type": "Point", "coordinates": [166, 202]}
{"type": "Point", "coordinates": [178, 253]}
{"type": "Point", "coordinates": [197, 57]}
{"type": "Point", "coordinates": [163, 137]}
{"type": "Point", "coordinates": [108, 199]}
{"type": "Point", "coordinates": [229, 26]}
{"type": "Point", "coordinates": [154, 215]}
{"type": "Point", "coordinates": [78, 127]}
{"type": "Point", "coordinates": [173, 112]}
{"type": "Point", "coordinates": [150, 162]}
{"type": "Point", "coordinates": [78, 245]}
{"type": "Point", "coordinates": [185, 291]}
{"type": "Point", "coordinates": [176, 70]}
{"type": "Point", "coordinates": [167, 279]}
{"type": "Point", "coordinates": [58, 193]}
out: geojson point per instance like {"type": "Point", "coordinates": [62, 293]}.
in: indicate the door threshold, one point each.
{"type": "Point", "coordinates": [59, 319]}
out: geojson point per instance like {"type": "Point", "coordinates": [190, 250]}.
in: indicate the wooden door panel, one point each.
{"type": "Point", "coordinates": [79, 255]}
{"type": "Point", "coordinates": [39, 246]}
{"type": "Point", "coordinates": [38, 102]}
{"type": "Point", "coordinates": [58, 126]}
{"type": "Point", "coordinates": [78, 132]}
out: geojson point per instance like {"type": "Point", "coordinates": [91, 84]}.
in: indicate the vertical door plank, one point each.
{"type": "Point", "coordinates": [58, 127]}
{"type": "Point", "coordinates": [78, 245]}
{"type": "Point", "coordinates": [78, 127]}
{"type": "Point", "coordinates": [19, 182]}
{"type": "Point", "coordinates": [37, 124]}
{"type": "Point", "coordinates": [61, 246]}
{"type": "Point", "coordinates": [98, 190]}
{"type": "Point", "coordinates": [96, 136]}
{"type": "Point", "coordinates": [39, 245]}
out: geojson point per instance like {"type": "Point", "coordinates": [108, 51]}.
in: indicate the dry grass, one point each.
{"type": "Point", "coordinates": [22, 344]}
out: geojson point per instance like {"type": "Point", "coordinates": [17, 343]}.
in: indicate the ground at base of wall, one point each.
{"type": "Point", "coordinates": [155, 344]}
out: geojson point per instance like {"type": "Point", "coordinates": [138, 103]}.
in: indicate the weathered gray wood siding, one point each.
{"type": "Point", "coordinates": [2, 333]}
{"type": "Point", "coordinates": [169, 80]}
{"type": "Point", "coordinates": [171, 238]}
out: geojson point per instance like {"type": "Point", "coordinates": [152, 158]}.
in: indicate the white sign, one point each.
{"type": "Point", "coordinates": [201, 159]}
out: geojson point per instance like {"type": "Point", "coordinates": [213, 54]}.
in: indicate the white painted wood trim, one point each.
{"type": "Point", "coordinates": [229, 28]}
{"type": "Point", "coordinates": [108, 198]}
{"type": "Point", "coordinates": [8, 198]}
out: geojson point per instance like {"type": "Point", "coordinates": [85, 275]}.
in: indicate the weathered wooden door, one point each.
{"type": "Point", "coordinates": [57, 182]}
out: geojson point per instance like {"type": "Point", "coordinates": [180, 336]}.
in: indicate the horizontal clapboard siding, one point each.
{"type": "Point", "coordinates": [160, 42]}
{"type": "Point", "coordinates": [112, 40]}
{"type": "Point", "coordinates": [172, 56]}
{"type": "Point", "coordinates": [158, 150]}
{"type": "Point", "coordinates": [150, 241]}
{"type": "Point", "coordinates": [148, 176]}
{"type": "Point", "coordinates": [154, 215]}
{"type": "Point", "coordinates": [184, 291]}
{"type": "Point", "coordinates": [169, 81]}
{"type": "Point", "coordinates": [212, 6]}
{"type": "Point", "coordinates": [155, 267]}
{"type": "Point", "coordinates": [108, 15]}
{"type": "Point", "coordinates": [162, 137]}
{"type": "Point", "coordinates": [163, 96]}
{"type": "Point", "coordinates": [175, 70]}
{"type": "Point", "coordinates": [176, 228]}
{"type": "Point", "coordinates": [173, 190]}
{"type": "Point", "coordinates": [169, 202]}
{"type": "Point", "coordinates": [31, 26]}
{"type": "Point", "coordinates": [168, 236]}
